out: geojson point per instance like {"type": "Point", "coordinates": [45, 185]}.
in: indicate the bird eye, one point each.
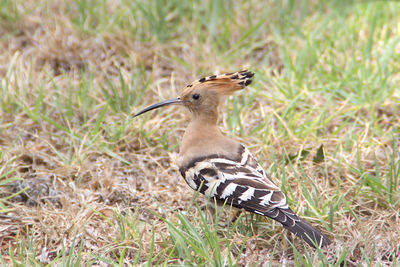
{"type": "Point", "coordinates": [195, 96]}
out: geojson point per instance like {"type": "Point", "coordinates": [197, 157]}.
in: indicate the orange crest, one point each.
{"type": "Point", "coordinates": [224, 84]}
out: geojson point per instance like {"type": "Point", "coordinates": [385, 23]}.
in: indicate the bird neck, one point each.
{"type": "Point", "coordinates": [209, 118]}
{"type": "Point", "coordinates": [201, 129]}
{"type": "Point", "coordinates": [203, 125]}
{"type": "Point", "coordinates": [202, 138]}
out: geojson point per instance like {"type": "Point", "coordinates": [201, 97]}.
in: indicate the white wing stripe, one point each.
{"type": "Point", "coordinates": [266, 199]}
{"type": "Point", "coordinates": [245, 156]}
{"type": "Point", "coordinates": [248, 194]}
{"type": "Point", "coordinates": [229, 190]}
{"type": "Point", "coordinates": [212, 188]}
{"type": "Point", "coordinates": [224, 161]}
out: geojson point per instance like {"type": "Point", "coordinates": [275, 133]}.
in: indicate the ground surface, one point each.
{"type": "Point", "coordinates": [82, 182]}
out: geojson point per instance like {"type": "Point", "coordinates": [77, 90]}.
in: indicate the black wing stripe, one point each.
{"type": "Point", "coordinates": [208, 172]}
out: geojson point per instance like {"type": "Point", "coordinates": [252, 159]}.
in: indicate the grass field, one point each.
{"type": "Point", "coordinates": [82, 182]}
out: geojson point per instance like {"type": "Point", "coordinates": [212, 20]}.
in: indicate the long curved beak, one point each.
{"type": "Point", "coordinates": [161, 104]}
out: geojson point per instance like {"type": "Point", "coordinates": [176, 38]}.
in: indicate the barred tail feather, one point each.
{"type": "Point", "coordinates": [311, 235]}
{"type": "Point", "coordinates": [299, 227]}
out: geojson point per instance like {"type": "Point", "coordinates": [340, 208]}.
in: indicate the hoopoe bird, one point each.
{"type": "Point", "coordinates": [222, 168]}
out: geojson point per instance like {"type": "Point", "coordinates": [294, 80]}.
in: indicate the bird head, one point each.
{"type": "Point", "coordinates": [202, 96]}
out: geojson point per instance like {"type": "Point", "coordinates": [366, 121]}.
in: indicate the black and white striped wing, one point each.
{"type": "Point", "coordinates": [243, 183]}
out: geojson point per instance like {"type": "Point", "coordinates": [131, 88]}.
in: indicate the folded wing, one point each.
{"type": "Point", "coordinates": [242, 183]}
